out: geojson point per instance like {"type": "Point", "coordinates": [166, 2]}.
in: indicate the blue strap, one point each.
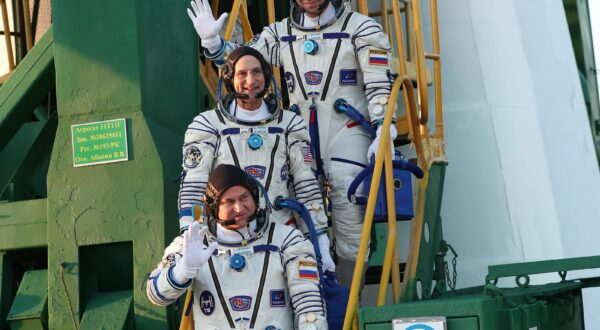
{"type": "Point", "coordinates": [255, 249]}
{"type": "Point", "coordinates": [229, 131]}
{"type": "Point", "coordinates": [315, 143]}
{"type": "Point", "coordinates": [348, 161]}
{"type": "Point", "coordinates": [187, 212]}
{"type": "Point", "coordinates": [336, 35]}
{"type": "Point", "coordinates": [344, 107]}
{"type": "Point", "coordinates": [362, 175]}
{"type": "Point", "coordinates": [237, 130]}
{"type": "Point", "coordinates": [288, 38]}
{"type": "Point", "coordinates": [397, 164]}
{"type": "Point", "coordinates": [327, 35]}
{"type": "Point", "coordinates": [305, 215]}
{"type": "Point", "coordinates": [265, 248]}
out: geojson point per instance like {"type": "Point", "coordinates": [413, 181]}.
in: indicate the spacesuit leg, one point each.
{"type": "Point", "coordinates": [342, 165]}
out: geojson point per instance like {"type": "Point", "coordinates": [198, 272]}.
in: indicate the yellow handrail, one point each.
{"type": "Point", "coordinates": [235, 9]}
{"type": "Point", "coordinates": [271, 17]}
{"type": "Point", "coordinates": [246, 28]}
{"type": "Point", "coordinates": [187, 321]}
{"type": "Point", "coordinates": [384, 17]}
{"type": "Point", "coordinates": [401, 56]}
{"type": "Point", "coordinates": [362, 7]}
{"type": "Point", "coordinates": [9, 49]}
{"type": "Point", "coordinates": [215, 8]}
{"type": "Point", "coordinates": [421, 73]}
{"type": "Point", "coordinates": [390, 245]}
{"type": "Point", "coordinates": [27, 21]}
{"type": "Point", "coordinates": [382, 151]}
{"type": "Point", "coordinates": [437, 70]}
{"type": "Point", "coordinates": [25, 36]}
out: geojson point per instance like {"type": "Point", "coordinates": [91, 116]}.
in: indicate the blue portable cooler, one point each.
{"type": "Point", "coordinates": [403, 195]}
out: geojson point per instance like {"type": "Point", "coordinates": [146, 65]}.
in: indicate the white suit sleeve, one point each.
{"type": "Point", "coordinates": [374, 55]}
{"type": "Point", "coordinates": [267, 43]}
{"type": "Point", "coordinates": [161, 288]}
{"type": "Point", "coordinates": [200, 144]}
{"type": "Point", "coordinates": [303, 279]}
{"type": "Point", "coordinates": [305, 185]}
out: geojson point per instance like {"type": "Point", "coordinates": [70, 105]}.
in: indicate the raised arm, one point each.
{"type": "Point", "coordinates": [179, 265]}
{"type": "Point", "coordinates": [199, 147]}
{"type": "Point", "coordinates": [216, 48]}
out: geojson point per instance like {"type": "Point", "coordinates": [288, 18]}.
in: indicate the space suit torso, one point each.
{"type": "Point", "coordinates": [258, 287]}
{"type": "Point", "coordinates": [276, 285]}
{"type": "Point", "coordinates": [274, 152]}
{"type": "Point", "coordinates": [348, 58]}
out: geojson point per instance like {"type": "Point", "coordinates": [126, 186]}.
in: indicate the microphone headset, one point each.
{"type": "Point", "coordinates": [257, 191]}
{"type": "Point", "coordinates": [228, 70]}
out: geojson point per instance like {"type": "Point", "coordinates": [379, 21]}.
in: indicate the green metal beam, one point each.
{"type": "Point", "coordinates": [29, 83]}
{"type": "Point", "coordinates": [23, 224]}
{"type": "Point", "coordinates": [431, 236]}
{"type": "Point", "coordinates": [6, 287]}
{"type": "Point", "coordinates": [37, 153]}
{"type": "Point", "coordinates": [541, 267]}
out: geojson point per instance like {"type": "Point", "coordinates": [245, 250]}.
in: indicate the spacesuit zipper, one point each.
{"type": "Point", "coordinates": [333, 60]}
{"type": "Point", "coordinates": [263, 277]}
{"type": "Point", "coordinates": [272, 164]}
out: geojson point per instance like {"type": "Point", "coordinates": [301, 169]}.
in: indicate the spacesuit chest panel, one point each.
{"type": "Point", "coordinates": [331, 67]}
{"type": "Point", "coordinates": [238, 291]}
{"type": "Point", "coordinates": [267, 163]}
{"type": "Point", "coordinates": [259, 150]}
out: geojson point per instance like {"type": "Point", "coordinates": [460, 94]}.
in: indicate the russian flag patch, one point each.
{"type": "Point", "coordinates": [308, 270]}
{"type": "Point", "coordinates": [378, 57]}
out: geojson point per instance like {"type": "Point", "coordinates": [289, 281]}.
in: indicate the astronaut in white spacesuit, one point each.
{"type": "Point", "coordinates": [327, 52]}
{"type": "Point", "coordinates": [246, 272]}
{"type": "Point", "coordinates": [250, 131]}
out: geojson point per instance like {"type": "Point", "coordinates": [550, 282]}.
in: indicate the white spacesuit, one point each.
{"type": "Point", "coordinates": [228, 298]}
{"type": "Point", "coordinates": [339, 54]}
{"type": "Point", "coordinates": [214, 138]}
{"type": "Point", "coordinates": [267, 143]}
{"type": "Point", "coordinates": [259, 276]}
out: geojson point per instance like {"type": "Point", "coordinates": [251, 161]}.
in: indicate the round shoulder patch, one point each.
{"type": "Point", "coordinates": [192, 157]}
{"type": "Point", "coordinates": [207, 303]}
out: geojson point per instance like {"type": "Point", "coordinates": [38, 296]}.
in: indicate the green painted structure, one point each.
{"type": "Point", "coordinates": [97, 230]}
{"type": "Point", "coordinates": [556, 306]}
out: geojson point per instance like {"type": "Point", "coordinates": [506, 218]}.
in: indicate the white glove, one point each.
{"type": "Point", "coordinates": [205, 24]}
{"type": "Point", "coordinates": [375, 144]}
{"type": "Point", "coordinates": [194, 254]}
{"type": "Point", "coordinates": [312, 321]}
{"type": "Point", "coordinates": [326, 259]}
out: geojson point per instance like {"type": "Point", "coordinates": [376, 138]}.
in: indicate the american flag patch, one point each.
{"type": "Point", "coordinates": [378, 57]}
{"type": "Point", "coordinates": [308, 270]}
{"type": "Point", "coordinates": [307, 155]}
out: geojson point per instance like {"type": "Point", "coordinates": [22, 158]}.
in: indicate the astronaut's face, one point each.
{"type": "Point", "coordinates": [236, 203]}
{"type": "Point", "coordinates": [249, 79]}
{"type": "Point", "coordinates": [311, 7]}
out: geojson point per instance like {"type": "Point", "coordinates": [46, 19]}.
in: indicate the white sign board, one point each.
{"type": "Point", "coordinates": [420, 323]}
